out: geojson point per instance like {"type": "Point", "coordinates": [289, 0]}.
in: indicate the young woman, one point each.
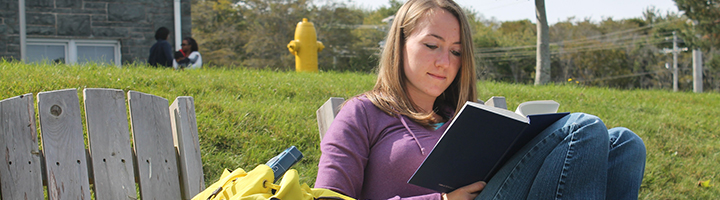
{"type": "Point", "coordinates": [426, 73]}
{"type": "Point", "coordinates": [190, 56]}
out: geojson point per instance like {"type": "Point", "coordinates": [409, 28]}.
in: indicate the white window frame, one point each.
{"type": "Point", "coordinates": [71, 47]}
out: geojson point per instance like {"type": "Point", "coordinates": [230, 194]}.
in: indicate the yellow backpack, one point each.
{"type": "Point", "coordinates": [258, 185]}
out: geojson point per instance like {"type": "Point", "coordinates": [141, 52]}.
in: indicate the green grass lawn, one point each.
{"type": "Point", "coordinates": [246, 117]}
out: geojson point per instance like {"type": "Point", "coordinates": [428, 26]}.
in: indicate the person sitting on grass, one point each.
{"type": "Point", "coordinates": [188, 56]}
{"type": "Point", "coordinates": [426, 73]}
{"type": "Point", "coordinates": [161, 51]}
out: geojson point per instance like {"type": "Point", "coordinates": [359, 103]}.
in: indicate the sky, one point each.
{"type": "Point", "coordinates": [556, 10]}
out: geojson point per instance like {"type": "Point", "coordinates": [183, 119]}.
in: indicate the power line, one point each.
{"type": "Point", "coordinates": [605, 46]}
{"type": "Point", "coordinates": [562, 43]}
{"type": "Point", "coordinates": [578, 41]}
{"type": "Point", "coordinates": [624, 76]}
{"type": "Point", "coordinates": [621, 42]}
{"type": "Point", "coordinates": [358, 26]}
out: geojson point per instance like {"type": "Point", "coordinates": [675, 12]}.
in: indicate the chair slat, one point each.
{"type": "Point", "coordinates": [63, 146]}
{"type": "Point", "coordinates": [185, 136]}
{"type": "Point", "coordinates": [20, 174]}
{"type": "Point", "coordinates": [152, 136]}
{"type": "Point", "coordinates": [109, 141]}
{"type": "Point", "coordinates": [497, 101]}
{"type": "Point", "coordinates": [326, 114]}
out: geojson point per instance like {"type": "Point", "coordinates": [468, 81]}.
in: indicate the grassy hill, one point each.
{"type": "Point", "coordinates": [245, 116]}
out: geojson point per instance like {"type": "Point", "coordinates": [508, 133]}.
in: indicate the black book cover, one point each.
{"type": "Point", "coordinates": [476, 144]}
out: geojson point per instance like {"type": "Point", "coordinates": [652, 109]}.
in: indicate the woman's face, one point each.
{"type": "Point", "coordinates": [186, 46]}
{"type": "Point", "coordinates": [432, 55]}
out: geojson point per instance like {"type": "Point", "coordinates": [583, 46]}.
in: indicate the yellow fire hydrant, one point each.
{"type": "Point", "coordinates": [305, 47]}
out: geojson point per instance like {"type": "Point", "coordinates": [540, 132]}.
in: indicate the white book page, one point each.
{"type": "Point", "coordinates": [499, 111]}
{"type": "Point", "coordinates": [537, 107]}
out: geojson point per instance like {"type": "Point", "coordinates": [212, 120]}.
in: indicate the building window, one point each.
{"type": "Point", "coordinates": [73, 51]}
{"type": "Point", "coordinates": [98, 54]}
{"type": "Point", "coordinates": [46, 53]}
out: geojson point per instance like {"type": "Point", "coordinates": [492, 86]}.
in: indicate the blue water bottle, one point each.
{"type": "Point", "coordinates": [282, 162]}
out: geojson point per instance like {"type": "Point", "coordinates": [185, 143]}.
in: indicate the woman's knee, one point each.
{"type": "Point", "coordinates": [586, 123]}
{"type": "Point", "coordinates": [584, 127]}
{"type": "Point", "coordinates": [621, 136]}
{"type": "Point", "coordinates": [585, 120]}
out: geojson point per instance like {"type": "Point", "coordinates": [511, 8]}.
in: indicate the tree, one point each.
{"type": "Point", "coordinates": [217, 26]}
{"type": "Point", "coordinates": [705, 16]}
{"type": "Point", "coordinates": [342, 52]}
{"type": "Point", "coordinates": [542, 67]}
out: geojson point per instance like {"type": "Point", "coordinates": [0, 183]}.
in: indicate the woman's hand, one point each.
{"type": "Point", "coordinates": [467, 192]}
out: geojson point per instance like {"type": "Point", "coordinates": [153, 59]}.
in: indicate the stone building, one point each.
{"type": "Point", "coordinates": [75, 31]}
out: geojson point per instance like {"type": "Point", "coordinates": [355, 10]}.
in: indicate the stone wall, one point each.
{"type": "Point", "coordinates": [9, 30]}
{"type": "Point", "coordinates": [133, 22]}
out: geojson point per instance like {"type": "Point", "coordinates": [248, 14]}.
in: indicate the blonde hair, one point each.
{"type": "Point", "coordinates": [389, 93]}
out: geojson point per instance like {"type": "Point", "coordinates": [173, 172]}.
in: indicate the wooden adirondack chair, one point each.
{"type": "Point", "coordinates": [163, 157]}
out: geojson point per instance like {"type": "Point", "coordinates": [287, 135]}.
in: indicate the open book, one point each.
{"type": "Point", "coordinates": [479, 140]}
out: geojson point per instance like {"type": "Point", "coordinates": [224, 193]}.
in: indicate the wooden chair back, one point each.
{"type": "Point", "coordinates": [159, 150]}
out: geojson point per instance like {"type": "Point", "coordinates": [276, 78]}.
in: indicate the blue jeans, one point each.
{"type": "Point", "coordinates": [575, 158]}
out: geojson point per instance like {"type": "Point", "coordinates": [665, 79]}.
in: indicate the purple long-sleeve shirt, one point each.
{"type": "Point", "coordinates": [368, 154]}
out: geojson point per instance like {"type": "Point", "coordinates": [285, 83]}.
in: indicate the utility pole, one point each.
{"type": "Point", "coordinates": [675, 69]}
{"type": "Point", "coordinates": [542, 65]}
{"type": "Point", "coordinates": [697, 66]}
{"type": "Point", "coordinates": [697, 71]}
{"type": "Point", "coordinates": [675, 50]}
